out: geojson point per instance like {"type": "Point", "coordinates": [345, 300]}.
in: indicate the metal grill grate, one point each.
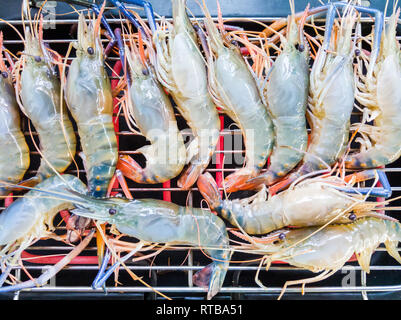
{"type": "Point", "coordinates": [171, 271]}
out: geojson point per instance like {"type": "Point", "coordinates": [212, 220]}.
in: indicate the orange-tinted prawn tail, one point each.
{"type": "Point", "coordinates": [130, 168]}
{"type": "Point", "coordinates": [30, 183]}
{"type": "Point", "coordinates": [209, 190]}
{"type": "Point", "coordinates": [203, 276]}
{"type": "Point", "coordinates": [189, 176]}
{"type": "Point", "coordinates": [284, 184]}
{"type": "Point", "coordinates": [235, 182]}
{"type": "Point", "coordinates": [255, 183]}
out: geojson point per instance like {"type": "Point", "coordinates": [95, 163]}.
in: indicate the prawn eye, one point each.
{"type": "Point", "coordinates": [38, 58]}
{"type": "Point", "coordinates": [145, 72]}
{"type": "Point", "coordinates": [4, 75]}
{"type": "Point", "coordinates": [281, 236]}
{"type": "Point", "coordinates": [90, 50]}
{"type": "Point", "coordinates": [112, 211]}
{"type": "Point", "coordinates": [300, 47]}
{"type": "Point", "coordinates": [234, 42]}
{"type": "Point", "coordinates": [352, 217]}
{"type": "Point", "coordinates": [357, 52]}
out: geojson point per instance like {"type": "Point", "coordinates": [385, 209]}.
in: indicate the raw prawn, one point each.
{"type": "Point", "coordinates": [89, 98]}
{"type": "Point", "coordinates": [31, 217]}
{"type": "Point", "coordinates": [331, 96]}
{"type": "Point", "coordinates": [39, 90]}
{"type": "Point", "coordinates": [311, 203]}
{"type": "Point", "coordinates": [164, 222]}
{"type": "Point", "coordinates": [287, 97]}
{"type": "Point", "coordinates": [151, 111]}
{"type": "Point", "coordinates": [181, 70]}
{"type": "Point", "coordinates": [160, 221]}
{"type": "Point", "coordinates": [378, 93]}
{"type": "Point", "coordinates": [12, 140]}
{"type": "Point", "coordinates": [234, 89]}
{"type": "Point", "coordinates": [327, 250]}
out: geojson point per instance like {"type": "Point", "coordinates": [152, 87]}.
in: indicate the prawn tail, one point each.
{"type": "Point", "coordinates": [190, 175]}
{"type": "Point", "coordinates": [235, 182]}
{"type": "Point", "coordinates": [364, 258]}
{"type": "Point", "coordinates": [258, 182]}
{"type": "Point", "coordinates": [212, 277]}
{"type": "Point", "coordinates": [394, 236]}
{"type": "Point", "coordinates": [99, 153]}
{"type": "Point", "coordinates": [281, 185]}
{"type": "Point", "coordinates": [209, 190]}
{"type": "Point", "coordinates": [130, 168]}
{"type": "Point", "coordinates": [30, 182]}
{"type": "Point", "coordinates": [392, 249]}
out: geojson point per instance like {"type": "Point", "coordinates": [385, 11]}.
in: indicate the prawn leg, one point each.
{"type": "Point", "coordinates": [52, 271]}
{"type": "Point", "coordinates": [119, 4]}
{"type": "Point", "coordinates": [102, 269]}
{"type": "Point", "coordinates": [324, 275]}
{"type": "Point", "coordinates": [131, 17]}
{"type": "Point", "coordinates": [4, 275]}
{"type": "Point", "coordinates": [383, 192]}
{"type": "Point", "coordinates": [144, 4]}
{"type": "Point", "coordinates": [103, 275]}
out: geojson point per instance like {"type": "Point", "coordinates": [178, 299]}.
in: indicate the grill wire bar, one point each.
{"type": "Point", "coordinates": [172, 272]}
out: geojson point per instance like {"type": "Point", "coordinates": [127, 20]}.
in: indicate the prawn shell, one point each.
{"type": "Point", "coordinates": [245, 107]}
{"type": "Point", "coordinates": [386, 132]}
{"type": "Point", "coordinates": [333, 246]}
{"type": "Point", "coordinates": [287, 94]}
{"type": "Point", "coordinates": [309, 205]}
{"type": "Point", "coordinates": [89, 98]}
{"type": "Point", "coordinates": [331, 98]}
{"type": "Point", "coordinates": [32, 214]}
{"type": "Point", "coordinates": [195, 104]}
{"type": "Point", "coordinates": [182, 69]}
{"type": "Point", "coordinates": [12, 141]}
{"type": "Point", "coordinates": [154, 116]}
{"type": "Point", "coordinates": [330, 121]}
{"type": "Point", "coordinates": [40, 95]}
